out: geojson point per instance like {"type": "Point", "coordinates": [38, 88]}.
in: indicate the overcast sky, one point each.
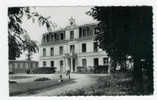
{"type": "Point", "coordinates": [60, 16]}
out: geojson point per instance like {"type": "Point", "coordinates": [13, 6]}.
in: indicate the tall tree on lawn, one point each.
{"type": "Point", "coordinates": [127, 31]}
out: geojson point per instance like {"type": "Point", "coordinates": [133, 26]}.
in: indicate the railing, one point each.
{"type": "Point", "coordinates": [72, 54]}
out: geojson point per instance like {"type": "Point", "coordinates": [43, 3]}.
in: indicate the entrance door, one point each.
{"type": "Point", "coordinates": [69, 63]}
{"type": "Point", "coordinates": [96, 61]}
{"type": "Point", "coordinates": [52, 63]}
{"type": "Point", "coordinates": [61, 66]}
{"type": "Point", "coordinates": [73, 65]}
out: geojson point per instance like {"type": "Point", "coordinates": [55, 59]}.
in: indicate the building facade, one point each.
{"type": "Point", "coordinates": [22, 66]}
{"type": "Point", "coordinates": [72, 48]}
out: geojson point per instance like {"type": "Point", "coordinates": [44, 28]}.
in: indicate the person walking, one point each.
{"type": "Point", "coordinates": [68, 73]}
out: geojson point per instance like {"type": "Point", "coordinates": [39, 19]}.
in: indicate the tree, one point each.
{"type": "Point", "coordinates": [127, 31]}
{"type": "Point", "coordinates": [15, 30]}
{"type": "Point", "coordinates": [30, 46]}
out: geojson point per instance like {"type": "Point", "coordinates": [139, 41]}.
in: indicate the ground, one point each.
{"type": "Point", "coordinates": [77, 81]}
{"type": "Point", "coordinates": [79, 84]}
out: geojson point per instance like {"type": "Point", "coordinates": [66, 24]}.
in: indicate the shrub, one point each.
{"type": "Point", "coordinates": [42, 79]}
{"type": "Point", "coordinates": [11, 81]}
{"type": "Point", "coordinates": [11, 73]}
{"type": "Point", "coordinates": [44, 70]}
{"type": "Point", "coordinates": [100, 69]}
{"type": "Point", "coordinates": [28, 71]}
{"type": "Point", "coordinates": [78, 92]}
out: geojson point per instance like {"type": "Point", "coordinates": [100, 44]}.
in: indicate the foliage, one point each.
{"type": "Point", "coordinates": [101, 69]}
{"type": "Point", "coordinates": [12, 82]}
{"type": "Point", "coordinates": [116, 84]}
{"type": "Point", "coordinates": [31, 47]}
{"type": "Point", "coordinates": [14, 31]}
{"type": "Point", "coordinates": [42, 79]}
{"type": "Point", "coordinates": [78, 92]}
{"type": "Point", "coordinates": [44, 70]}
{"type": "Point", "coordinates": [127, 31]}
{"type": "Point", "coordinates": [16, 16]}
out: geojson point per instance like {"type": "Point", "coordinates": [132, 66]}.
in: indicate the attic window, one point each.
{"type": "Point", "coordinates": [71, 23]}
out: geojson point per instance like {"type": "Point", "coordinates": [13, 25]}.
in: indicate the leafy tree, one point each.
{"type": "Point", "coordinates": [15, 30]}
{"type": "Point", "coordinates": [127, 31]}
{"type": "Point", "coordinates": [30, 46]}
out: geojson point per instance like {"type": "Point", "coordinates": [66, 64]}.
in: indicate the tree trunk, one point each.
{"type": "Point", "coordinates": [138, 76]}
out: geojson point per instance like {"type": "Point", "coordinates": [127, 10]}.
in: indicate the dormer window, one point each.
{"type": "Point", "coordinates": [72, 21]}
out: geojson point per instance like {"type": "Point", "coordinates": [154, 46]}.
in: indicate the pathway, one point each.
{"type": "Point", "coordinates": [81, 81]}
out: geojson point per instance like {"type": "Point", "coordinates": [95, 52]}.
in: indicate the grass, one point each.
{"type": "Point", "coordinates": [115, 84]}
{"type": "Point", "coordinates": [19, 77]}
{"type": "Point", "coordinates": [33, 87]}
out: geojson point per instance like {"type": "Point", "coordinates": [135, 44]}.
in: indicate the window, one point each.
{"type": "Point", "coordinates": [52, 63]}
{"type": "Point", "coordinates": [18, 65]}
{"type": "Point", "coordinates": [80, 32]}
{"type": "Point", "coordinates": [60, 50]}
{"type": "Point", "coordinates": [71, 35]}
{"type": "Point", "coordinates": [47, 38]}
{"type": "Point", "coordinates": [72, 48]}
{"type": "Point", "coordinates": [23, 65]}
{"type": "Point", "coordinates": [84, 62]}
{"type": "Point", "coordinates": [83, 47]}
{"type": "Point", "coordinates": [95, 47]}
{"type": "Point", "coordinates": [44, 39]}
{"type": "Point", "coordinates": [44, 63]}
{"type": "Point", "coordinates": [84, 32]}
{"type": "Point", "coordinates": [105, 60]}
{"type": "Point", "coordinates": [56, 36]}
{"type": "Point", "coordinates": [52, 52]}
{"type": "Point", "coordinates": [31, 65]}
{"type": "Point", "coordinates": [61, 63]}
{"type": "Point", "coordinates": [62, 36]}
{"type": "Point", "coordinates": [61, 66]}
{"type": "Point", "coordinates": [52, 37]}
{"type": "Point", "coordinates": [96, 61]}
{"type": "Point", "coordinates": [15, 65]}
{"type": "Point", "coordinates": [44, 51]}
{"type": "Point", "coordinates": [88, 31]}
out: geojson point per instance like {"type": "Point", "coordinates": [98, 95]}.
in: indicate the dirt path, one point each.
{"type": "Point", "coordinates": [81, 81]}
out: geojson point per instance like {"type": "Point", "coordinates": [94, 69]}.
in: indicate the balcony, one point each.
{"type": "Point", "coordinates": [69, 55]}
{"type": "Point", "coordinates": [54, 42]}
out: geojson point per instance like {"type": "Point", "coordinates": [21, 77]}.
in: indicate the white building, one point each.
{"type": "Point", "coordinates": [72, 48]}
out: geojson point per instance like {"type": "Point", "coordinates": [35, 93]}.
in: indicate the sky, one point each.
{"type": "Point", "coordinates": [60, 16]}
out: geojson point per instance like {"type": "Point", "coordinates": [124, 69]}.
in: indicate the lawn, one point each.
{"type": "Point", "coordinates": [20, 77]}
{"type": "Point", "coordinates": [33, 87]}
{"type": "Point", "coordinates": [115, 84]}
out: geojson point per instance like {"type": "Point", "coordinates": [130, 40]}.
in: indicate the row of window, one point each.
{"type": "Point", "coordinates": [54, 37]}
{"type": "Point", "coordinates": [72, 49]}
{"type": "Point", "coordinates": [95, 61]}
{"type": "Point", "coordinates": [84, 62]}
{"type": "Point", "coordinates": [83, 32]}
{"type": "Point", "coordinates": [23, 65]}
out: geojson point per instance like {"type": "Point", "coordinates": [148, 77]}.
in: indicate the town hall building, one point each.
{"type": "Point", "coordinates": [72, 48]}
